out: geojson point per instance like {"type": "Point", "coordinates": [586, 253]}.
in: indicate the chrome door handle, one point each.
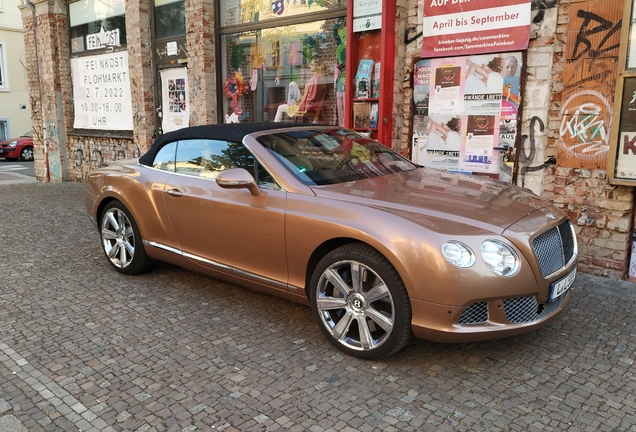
{"type": "Point", "coordinates": [174, 192]}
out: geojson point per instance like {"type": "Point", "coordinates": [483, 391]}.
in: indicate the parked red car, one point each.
{"type": "Point", "coordinates": [18, 148]}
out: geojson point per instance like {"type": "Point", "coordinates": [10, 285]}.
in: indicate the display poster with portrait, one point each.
{"type": "Point", "coordinates": [466, 111]}
{"type": "Point", "coordinates": [174, 95]}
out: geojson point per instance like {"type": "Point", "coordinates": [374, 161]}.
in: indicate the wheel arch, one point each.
{"type": "Point", "coordinates": [329, 245]}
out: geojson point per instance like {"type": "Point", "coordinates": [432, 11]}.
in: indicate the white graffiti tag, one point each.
{"type": "Point", "coordinates": [583, 128]}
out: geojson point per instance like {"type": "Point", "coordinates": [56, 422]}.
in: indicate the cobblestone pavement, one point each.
{"type": "Point", "coordinates": [84, 348]}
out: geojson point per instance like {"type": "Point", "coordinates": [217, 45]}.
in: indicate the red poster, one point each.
{"type": "Point", "coordinates": [463, 27]}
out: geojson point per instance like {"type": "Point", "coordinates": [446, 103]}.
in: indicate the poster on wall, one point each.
{"type": "Point", "coordinates": [447, 85]}
{"type": "Point", "coordinates": [482, 134]}
{"type": "Point", "coordinates": [626, 160]}
{"type": "Point", "coordinates": [465, 108]}
{"type": "Point", "coordinates": [101, 92]}
{"type": "Point", "coordinates": [470, 27]}
{"type": "Point", "coordinates": [174, 99]}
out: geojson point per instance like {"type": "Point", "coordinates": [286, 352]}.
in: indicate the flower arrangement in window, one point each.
{"type": "Point", "coordinates": [235, 87]}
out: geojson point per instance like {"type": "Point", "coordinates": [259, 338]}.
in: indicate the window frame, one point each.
{"type": "Point", "coordinates": [623, 74]}
{"type": "Point", "coordinates": [4, 78]}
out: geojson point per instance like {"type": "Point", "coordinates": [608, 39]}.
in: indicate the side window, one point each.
{"type": "Point", "coordinates": [207, 158]}
{"type": "Point", "coordinates": [164, 159]}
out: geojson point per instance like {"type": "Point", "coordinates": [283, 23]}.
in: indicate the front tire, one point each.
{"type": "Point", "coordinates": [360, 302]}
{"type": "Point", "coordinates": [27, 154]}
{"type": "Point", "coordinates": [121, 240]}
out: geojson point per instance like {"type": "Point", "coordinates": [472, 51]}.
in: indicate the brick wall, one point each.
{"type": "Point", "coordinates": [562, 79]}
{"type": "Point", "coordinates": [584, 79]}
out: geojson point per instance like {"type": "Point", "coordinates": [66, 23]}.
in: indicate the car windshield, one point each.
{"type": "Point", "coordinates": [29, 134]}
{"type": "Point", "coordinates": [324, 157]}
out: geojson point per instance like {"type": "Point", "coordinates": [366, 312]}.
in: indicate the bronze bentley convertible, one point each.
{"type": "Point", "coordinates": [382, 249]}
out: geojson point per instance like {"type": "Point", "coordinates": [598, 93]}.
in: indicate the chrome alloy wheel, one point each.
{"type": "Point", "coordinates": [355, 305]}
{"type": "Point", "coordinates": [118, 237]}
{"type": "Point", "coordinates": [27, 154]}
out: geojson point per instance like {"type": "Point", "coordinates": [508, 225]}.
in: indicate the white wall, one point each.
{"type": "Point", "coordinates": [16, 94]}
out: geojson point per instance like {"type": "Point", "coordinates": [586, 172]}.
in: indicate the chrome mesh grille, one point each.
{"type": "Point", "coordinates": [476, 313]}
{"type": "Point", "coordinates": [554, 248]}
{"type": "Point", "coordinates": [526, 309]}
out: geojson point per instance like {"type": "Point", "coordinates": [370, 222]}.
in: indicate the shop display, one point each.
{"type": "Point", "coordinates": [361, 114]}
{"type": "Point", "coordinates": [363, 79]}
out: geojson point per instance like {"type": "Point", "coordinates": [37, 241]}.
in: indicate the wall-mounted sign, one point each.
{"type": "Point", "coordinates": [102, 39]}
{"type": "Point", "coordinates": [367, 15]}
{"type": "Point", "coordinates": [462, 27]}
{"type": "Point", "coordinates": [101, 92]}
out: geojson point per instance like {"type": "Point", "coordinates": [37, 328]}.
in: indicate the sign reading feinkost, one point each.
{"type": "Point", "coordinates": [101, 90]}
{"type": "Point", "coordinates": [464, 27]}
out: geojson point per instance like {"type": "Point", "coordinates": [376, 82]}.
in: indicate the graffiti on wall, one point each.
{"type": "Point", "coordinates": [88, 155]}
{"type": "Point", "coordinates": [542, 12]}
{"type": "Point", "coordinates": [589, 78]}
{"type": "Point", "coordinates": [529, 155]}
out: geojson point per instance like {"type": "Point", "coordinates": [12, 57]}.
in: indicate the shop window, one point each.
{"type": "Point", "coordinates": [282, 73]}
{"type": "Point", "coordinates": [97, 25]}
{"type": "Point", "coordinates": [3, 72]}
{"type": "Point", "coordinates": [249, 11]}
{"type": "Point", "coordinates": [169, 18]}
{"type": "Point", "coordinates": [99, 65]}
{"type": "Point", "coordinates": [621, 165]}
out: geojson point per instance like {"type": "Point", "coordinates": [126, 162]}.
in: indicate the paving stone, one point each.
{"type": "Point", "coordinates": [172, 350]}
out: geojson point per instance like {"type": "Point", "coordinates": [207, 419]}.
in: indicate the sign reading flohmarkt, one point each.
{"type": "Point", "coordinates": [464, 27]}
{"type": "Point", "coordinates": [101, 90]}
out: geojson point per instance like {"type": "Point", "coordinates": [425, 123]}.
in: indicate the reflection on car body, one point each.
{"type": "Point", "coordinates": [380, 248]}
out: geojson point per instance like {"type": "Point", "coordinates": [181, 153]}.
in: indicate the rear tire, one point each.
{"type": "Point", "coordinates": [360, 302]}
{"type": "Point", "coordinates": [121, 240]}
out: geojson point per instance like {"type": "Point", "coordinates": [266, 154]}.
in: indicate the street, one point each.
{"type": "Point", "coordinates": [85, 348]}
{"type": "Point", "coordinates": [16, 172]}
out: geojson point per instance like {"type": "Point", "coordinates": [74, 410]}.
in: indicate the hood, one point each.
{"type": "Point", "coordinates": [19, 140]}
{"type": "Point", "coordinates": [424, 192]}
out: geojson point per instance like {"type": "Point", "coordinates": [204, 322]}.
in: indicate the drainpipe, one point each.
{"type": "Point", "coordinates": [47, 175]}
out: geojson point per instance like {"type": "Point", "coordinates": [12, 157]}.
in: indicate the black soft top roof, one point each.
{"type": "Point", "coordinates": [228, 132]}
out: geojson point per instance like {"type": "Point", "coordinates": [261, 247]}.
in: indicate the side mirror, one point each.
{"type": "Point", "coordinates": [238, 178]}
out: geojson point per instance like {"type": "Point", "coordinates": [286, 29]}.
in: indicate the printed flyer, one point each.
{"type": "Point", "coordinates": [446, 96]}
{"type": "Point", "coordinates": [478, 154]}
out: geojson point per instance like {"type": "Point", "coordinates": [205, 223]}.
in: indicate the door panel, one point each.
{"type": "Point", "coordinates": [230, 227]}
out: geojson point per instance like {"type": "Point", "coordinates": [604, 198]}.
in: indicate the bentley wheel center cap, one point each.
{"type": "Point", "coordinates": [357, 303]}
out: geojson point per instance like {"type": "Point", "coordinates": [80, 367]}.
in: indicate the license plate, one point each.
{"type": "Point", "coordinates": [561, 286]}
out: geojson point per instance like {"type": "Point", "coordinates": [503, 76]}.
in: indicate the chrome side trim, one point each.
{"type": "Point", "coordinates": [220, 266]}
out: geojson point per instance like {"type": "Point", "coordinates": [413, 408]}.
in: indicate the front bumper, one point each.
{"type": "Point", "coordinates": [9, 152]}
{"type": "Point", "coordinates": [486, 320]}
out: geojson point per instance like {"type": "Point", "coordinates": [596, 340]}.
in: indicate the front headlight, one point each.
{"type": "Point", "coordinates": [458, 254]}
{"type": "Point", "coordinates": [13, 144]}
{"type": "Point", "coordinates": [499, 258]}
